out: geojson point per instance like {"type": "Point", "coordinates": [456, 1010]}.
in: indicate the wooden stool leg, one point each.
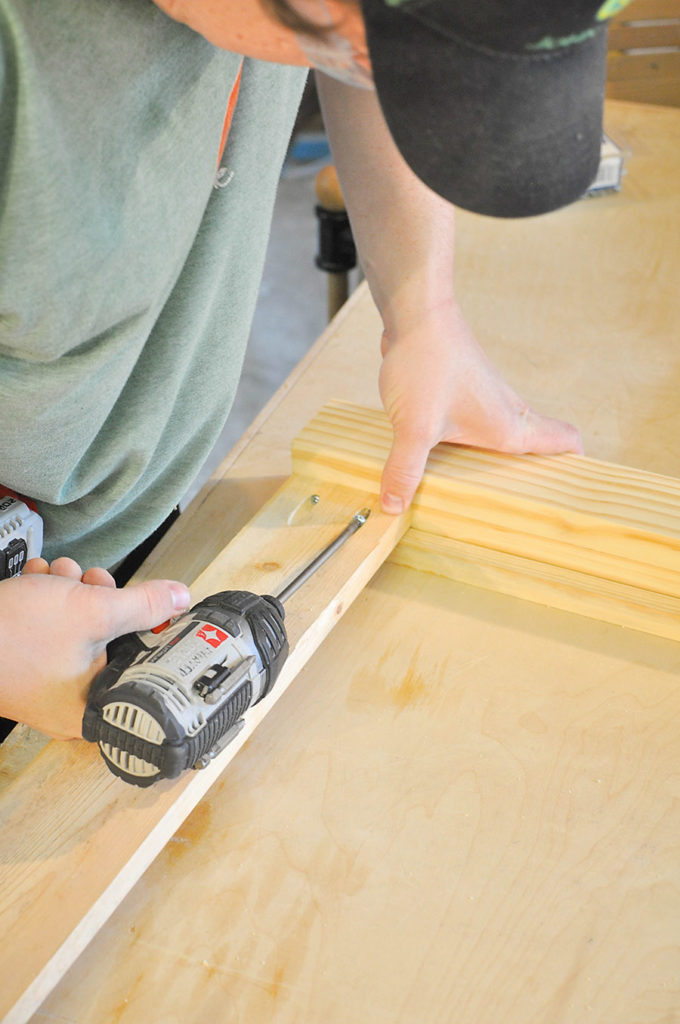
{"type": "Point", "coordinates": [338, 292]}
{"type": "Point", "coordinates": [337, 252]}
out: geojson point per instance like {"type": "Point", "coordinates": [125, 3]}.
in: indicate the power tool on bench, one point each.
{"type": "Point", "coordinates": [173, 698]}
{"type": "Point", "coordinates": [21, 534]}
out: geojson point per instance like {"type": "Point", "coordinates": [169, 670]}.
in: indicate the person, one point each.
{"type": "Point", "coordinates": [132, 236]}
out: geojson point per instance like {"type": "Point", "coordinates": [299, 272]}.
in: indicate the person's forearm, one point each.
{"type": "Point", "coordinates": [435, 381]}
{"type": "Point", "coordinates": [404, 231]}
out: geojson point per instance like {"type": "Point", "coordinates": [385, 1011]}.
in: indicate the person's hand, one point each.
{"type": "Point", "coordinates": [55, 623]}
{"type": "Point", "coordinates": [437, 384]}
{"type": "Point", "coordinates": [435, 381]}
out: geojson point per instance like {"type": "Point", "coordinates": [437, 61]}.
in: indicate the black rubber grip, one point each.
{"type": "Point", "coordinates": [171, 759]}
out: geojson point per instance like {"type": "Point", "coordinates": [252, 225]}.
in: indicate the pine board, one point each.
{"type": "Point", "coordinates": [566, 531]}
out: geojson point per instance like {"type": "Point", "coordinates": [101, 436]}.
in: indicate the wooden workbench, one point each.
{"type": "Point", "coordinates": [466, 807]}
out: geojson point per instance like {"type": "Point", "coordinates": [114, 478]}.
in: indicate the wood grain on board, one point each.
{"type": "Point", "coordinates": [566, 531]}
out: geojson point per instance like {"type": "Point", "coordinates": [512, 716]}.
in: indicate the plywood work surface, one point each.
{"type": "Point", "coordinates": [466, 807]}
{"type": "Point", "coordinates": [471, 816]}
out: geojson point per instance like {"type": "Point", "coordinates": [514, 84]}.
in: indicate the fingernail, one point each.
{"type": "Point", "coordinates": [181, 598]}
{"type": "Point", "coordinates": [392, 504]}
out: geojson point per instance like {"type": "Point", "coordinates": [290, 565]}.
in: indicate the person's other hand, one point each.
{"type": "Point", "coordinates": [55, 623]}
{"type": "Point", "coordinates": [437, 384]}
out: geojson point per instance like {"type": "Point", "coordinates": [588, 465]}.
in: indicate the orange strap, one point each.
{"type": "Point", "coordinates": [231, 106]}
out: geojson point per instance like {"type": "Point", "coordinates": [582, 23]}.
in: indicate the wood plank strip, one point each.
{"type": "Point", "coordinates": [643, 10]}
{"type": "Point", "coordinates": [644, 36]}
{"type": "Point", "coordinates": [74, 839]}
{"type": "Point", "coordinates": [564, 589]}
{"type": "Point", "coordinates": [664, 93]}
{"type": "Point", "coordinates": [564, 518]}
{"type": "Point", "coordinates": [659, 65]}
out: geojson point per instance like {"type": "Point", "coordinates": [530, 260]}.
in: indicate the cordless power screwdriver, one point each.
{"type": "Point", "coordinates": [172, 698]}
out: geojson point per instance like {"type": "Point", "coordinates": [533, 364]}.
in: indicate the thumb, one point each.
{"type": "Point", "coordinates": [403, 471]}
{"type": "Point", "coordinates": [543, 435]}
{"type": "Point", "coordinates": [142, 605]}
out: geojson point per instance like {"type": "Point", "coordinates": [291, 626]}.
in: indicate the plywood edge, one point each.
{"type": "Point", "coordinates": [542, 527]}
{"type": "Point", "coordinates": [73, 839]}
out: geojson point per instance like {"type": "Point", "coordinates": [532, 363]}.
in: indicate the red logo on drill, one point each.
{"type": "Point", "coordinates": [212, 635]}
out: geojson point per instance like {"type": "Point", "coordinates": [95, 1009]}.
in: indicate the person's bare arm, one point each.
{"type": "Point", "coordinates": [436, 382]}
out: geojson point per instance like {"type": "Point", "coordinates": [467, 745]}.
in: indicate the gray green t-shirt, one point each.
{"type": "Point", "coordinates": [127, 279]}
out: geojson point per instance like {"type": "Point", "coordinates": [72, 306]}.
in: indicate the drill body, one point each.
{"type": "Point", "coordinates": [171, 700]}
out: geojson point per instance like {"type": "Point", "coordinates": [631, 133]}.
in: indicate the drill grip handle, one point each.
{"type": "Point", "coordinates": [142, 762]}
